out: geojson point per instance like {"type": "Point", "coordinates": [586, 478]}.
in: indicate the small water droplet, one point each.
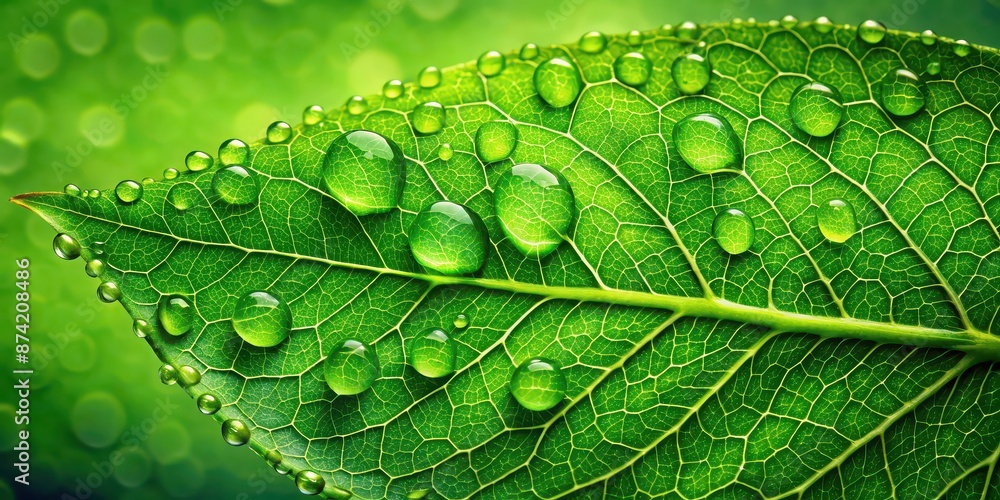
{"type": "Point", "coordinates": [392, 89]}
{"type": "Point", "coordinates": [209, 404]}
{"type": "Point", "coordinates": [357, 105]}
{"type": "Point", "coordinates": [633, 69]}
{"type": "Point", "coordinates": [108, 292]}
{"type": "Point", "coordinates": [816, 109]}
{"type": "Point", "coordinates": [788, 22]}
{"type": "Point", "coordinates": [66, 247]}
{"type": "Point", "coordinates": [734, 231]}
{"type": "Point", "coordinates": [445, 152]}
{"type": "Point", "coordinates": [128, 191]}
{"type": "Point", "coordinates": [538, 384]}
{"type": "Point", "coordinates": [170, 173]}
{"type": "Point", "coordinates": [928, 37]}
{"type": "Point", "coordinates": [188, 376]}
{"type": "Point", "coordinates": [933, 68]}
{"type": "Point", "coordinates": [428, 117]}
{"type": "Point", "coordinates": [365, 172]}
{"type": "Point", "coordinates": [495, 141]}
{"type": "Point", "coordinates": [235, 185]}
{"type": "Point", "coordinates": [262, 319]}
{"type": "Point", "coordinates": [449, 238]}
{"type": "Point", "coordinates": [313, 115]}
{"type": "Point", "coordinates": [491, 63]}
{"type": "Point", "coordinates": [429, 77]}
{"type": "Point", "coordinates": [432, 354]}
{"type": "Point", "coordinates": [277, 133]}
{"type": "Point", "coordinates": [634, 38]}
{"type": "Point", "coordinates": [235, 432]}
{"type": "Point", "coordinates": [708, 143]}
{"type": "Point", "coordinates": [94, 193]}
{"type": "Point", "coordinates": [309, 482]}
{"type": "Point", "coordinates": [141, 328]}
{"type": "Point", "coordinates": [687, 31]}
{"type": "Point", "coordinates": [871, 32]}
{"type": "Point", "coordinates": [535, 208]}
{"type": "Point", "coordinates": [351, 368]}
{"type": "Point", "coordinates": [197, 161]}
{"type": "Point", "coordinates": [147, 181]}
{"type": "Point", "coordinates": [823, 25]}
{"type": "Point", "coordinates": [182, 196]}
{"type": "Point", "coordinates": [528, 51]}
{"type": "Point", "coordinates": [691, 73]}
{"type": "Point", "coordinates": [168, 374]}
{"type": "Point", "coordinates": [461, 321]}
{"type": "Point", "coordinates": [902, 93]}
{"type": "Point", "coordinates": [95, 268]}
{"type": "Point", "coordinates": [558, 82]}
{"type": "Point", "coordinates": [593, 42]}
{"type": "Point", "coordinates": [175, 314]}
{"type": "Point", "coordinates": [961, 48]}
{"type": "Point", "coordinates": [836, 221]}
{"type": "Point", "coordinates": [418, 494]}
{"type": "Point", "coordinates": [72, 190]}
{"type": "Point", "coordinates": [234, 152]}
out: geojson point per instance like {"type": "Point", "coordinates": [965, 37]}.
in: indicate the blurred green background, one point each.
{"type": "Point", "coordinates": [95, 92]}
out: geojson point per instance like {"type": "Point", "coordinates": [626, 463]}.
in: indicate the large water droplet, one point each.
{"type": "Point", "coordinates": [449, 238]}
{"type": "Point", "coordinates": [816, 109]}
{"type": "Point", "coordinates": [528, 51]}
{"type": "Point", "coordinates": [491, 63]}
{"type": "Point", "coordinates": [235, 432]}
{"type": "Point", "coordinates": [392, 89]}
{"type": "Point", "coordinates": [871, 32]}
{"type": "Point", "coordinates": [365, 172]}
{"type": "Point", "coordinates": [66, 247]}
{"type": "Point", "coordinates": [234, 152]}
{"type": "Point", "coordinates": [188, 376]}
{"type": "Point", "coordinates": [558, 82]}
{"type": "Point", "coordinates": [633, 69]}
{"type": "Point", "coordinates": [495, 141]}
{"type": "Point", "coordinates": [309, 482]}
{"type": "Point", "coordinates": [168, 374]}
{"type": "Point", "coordinates": [262, 319]}
{"type": "Point", "coordinates": [351, 368]}
{"type": "Point", "coordinates": [538, 384]}
{"type": "Point", "coordinates": [535, 207]}
{"type": "Point", "coordinates": [235, 185]}
{"type": "Point", "coordinates": [278, 132]}
{"type": "Point", "coordinates": [432, 354]}
{"type": "Point", "coordinates": [198, 160]}
{"type": "Point", "coordinates": [209, 404]}
{"type": "Point", "coordinates": [128, 191]}
{"type": "Point", "coordinates": [928, 38]}
{"type": "Point", "coordinates": [109, 292]}
{"type": "Point", "coordinates": [593, 42]}
{"type": "Point", "coordinates": [72, 190]}
{"type": "Point", "coordinates": [429, 77]}
{"type": "Point", "coordinates": [836, 220]}
{"type": "Point", "coordinates": [734, 231]}
{"type": "Point", "coordinates": [788, 22]}
{"type": "Point", "coordinates": [428, 117]}
{"type": "Point", "coordinates": [691, 73]}
{"type": "Point", "coordinates": [902, 93]}
{"type": "Point", "coordinates": [175, 314]}
{"type": "Point", "coordinates": [313, 115]}
{"type": "Point", "coordinates": [708, 143]}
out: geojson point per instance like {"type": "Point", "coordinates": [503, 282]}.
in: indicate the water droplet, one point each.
{"type": "Point", "coordinates": [445, 152]}
{"type": "Point", "coordinates": [365, 172]}
{"type": "Point", "coordinates": [836, 221]}
{"type": "Point", "coordinates": [558, 82]}
{"type": "Point", "coordinates": [175, 314]}
{"type": "Point", "coordinates": [277, 133]}
{"type": "Point", "coordinates": [141, 328]}
{"type": "Point", "coordinates": [734, 231]}
{"type": "Point", "coordinates": [687, 31]}
{"type": "Point", "coordinates": [235, 432]}
{"type": "Point", "coordinates": [95, 268]}
{"type": "Point", "coordinates": [449, 238]}
{"type": "Point", "coordinates": [65, 246]}
{"type": "Point", "coordinates": [491, 63]}
{"type": "Point", "coordinates": [667, 29]}
{"type": "Point", "coordinates": [86, 32]}
{"type": "Point", "coordinates": [72, 190]}
{"type": "Point", "coordinates": [816, 109]}
{"type": "Point", "coordinates": [429, 77]}
{"type": "Point", "coordinates": [182, 196]}
{"type": "Point", "coordinates": [208, 404]}
{"type": "Point", "coordinates": [234, 152]}
{"type": "Point", "coordinates": [168, 374]}
{"type": "Point", "coordinates": [433, 354]}
{"type": "Point", "coordinates": [170, 173]}
{"type": "Point", "coordinates": [261, 319]}
{"type": "Point", "coordinates": [197, 161]}
{"type": "Point", "coordinates": [708, 143]}
{"type": "Point", "coordinates": [108, 292]}
{"type": "Point", "coordinates": [495, 141]}
{"type": "Point", "coordinates": [461, 321]}
{"type": "Point", "coordinates": [788, 22]}
{"type": "Point", "coordinates": [418, 494]}
{"type": "Point", "coordinates": [633, 69]}
{"type": "Point", "coordinates": [933, 68]}
{"type": "Point", "coordinates": [95, 193]}
{"type": "Point", "coordinates": [235, 185]}
{"type": "Point", "coordinates": [428, 117]}
{"type": "Point", "coordinates": [309, 482]}
{"type": "Point", "coordinates": [529, 51]}
{"type": "Point", "coordinates": [902, 93]}
{"type": "Point", "coordinates": [97, 248]}
{"type": "Point", "coordinates": [691, 73]}
{"type": "Point", "coordinates": [313, 115]}
{"type": "Point", "coordinates": [538, 384]}
{"type": "Point", "coordinates": [392, 89]}
{"type": "Point", "coordinates": [823, 25]}
{"type": "Point", "coordinates": [961, 48]}
{"type": "Point", "coordinates": [535, 208]}
{"type": "Point", "coordinates": [634, 38]}
{"type": "Point", "coordinates": [128, 191]}
{"type": "Point", "coordinates": [147, 181]}
{"type": "Point", "coordinates": [351, 368]}
{"type": "Point", "coordinates": [928, 37]}
{"type": "Point", "coordinates": [188, 376]}
{"type": "Point", "coordinates": [357, 105]}
{"type": "Point", "coordinates": [871, 32]}
{"type": "Point", "coordinates": [593, 42]}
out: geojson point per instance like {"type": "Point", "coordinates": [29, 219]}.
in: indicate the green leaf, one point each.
{"type": "Point", "coordinates": [847, 352]}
